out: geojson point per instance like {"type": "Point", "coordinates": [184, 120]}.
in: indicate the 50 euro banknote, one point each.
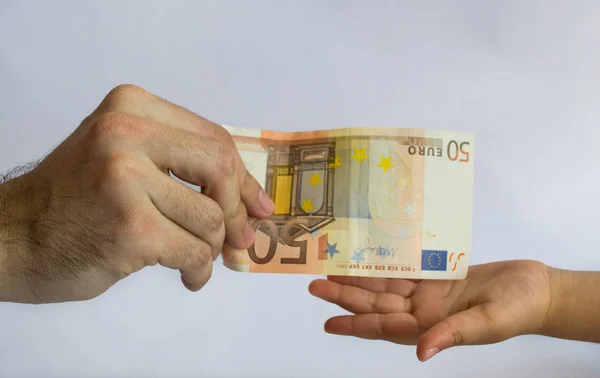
{"type": "Point", "coordinates": [365, 201]}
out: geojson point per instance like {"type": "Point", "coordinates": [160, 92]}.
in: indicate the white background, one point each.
{"type": "Point", "coordinates": [524, 76]}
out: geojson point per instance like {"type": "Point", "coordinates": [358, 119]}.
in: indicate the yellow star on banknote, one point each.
{"type": "Point", "coordinates": [336, 163]}
{"type": "Point", "coordinates": [307, 205]}
{"type": "Point", "coordinates": [360, 154]}
{"type": "Point", "coordinates": [315, 180]}
{"type": "Point", "coordinates": [386, 163]}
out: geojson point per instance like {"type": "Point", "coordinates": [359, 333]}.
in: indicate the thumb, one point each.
{"type": "Point", "coordinates": [474, 326]}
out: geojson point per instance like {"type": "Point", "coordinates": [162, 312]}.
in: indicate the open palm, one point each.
{"type": "Point", "coordinates": [495, 302]}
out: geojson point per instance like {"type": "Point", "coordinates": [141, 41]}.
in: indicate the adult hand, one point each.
{"type": "Point", "coordinates": [495, 302]}
{"type": "Point", "coordinates": [102, 205]}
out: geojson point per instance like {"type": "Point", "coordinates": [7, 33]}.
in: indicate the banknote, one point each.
{"type": "Point", "coordinates": [362, 201]}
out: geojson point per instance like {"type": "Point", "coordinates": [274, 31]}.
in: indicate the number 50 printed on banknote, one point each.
{"type": "Point", "coordinates": [365, 201]}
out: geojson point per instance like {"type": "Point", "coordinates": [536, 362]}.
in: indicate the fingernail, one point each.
{"type": "Point", "coordinates": [430, 353]}
{"type": "Point", "coordinates": [265, 202]}
{"type": "Point", "coordinates": [249, 234]}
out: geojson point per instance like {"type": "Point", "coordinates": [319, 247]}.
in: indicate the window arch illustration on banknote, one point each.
{"type": "Point", "coordinates": [300, 181]}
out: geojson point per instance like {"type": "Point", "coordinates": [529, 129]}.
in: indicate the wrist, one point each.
{"type": "Point", "coordinates": [575, 308]}
{"type": "Point", "coordinates": [560, 286]}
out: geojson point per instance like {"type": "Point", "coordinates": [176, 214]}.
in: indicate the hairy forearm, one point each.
{"type": "Point", "coordinates": [4, 242]}
{"type": "Point", "coordinates": [575, 310]}
{"type": "Point", "coordinates": [14, 207]}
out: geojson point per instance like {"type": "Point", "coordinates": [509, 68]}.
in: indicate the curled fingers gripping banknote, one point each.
{"type": "Point", "coordinates": [365, 201]}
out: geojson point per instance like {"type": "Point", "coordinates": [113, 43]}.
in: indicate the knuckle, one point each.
{"type": "Point", "coordinates": [203, 256]}
{"type": "Point", "coordinates": [380, 326]}
{"type": "Point", "coordinates": [139, 227]}
{"type": "Point", "coordinates": [121, 168]}
{"type": "Point", "coordinates": [458, 339]}
{"type": "Point", "coordinates": [215, 226]}
{"type": "Point", "coordinates": [187, 254]}
{"type": "Point", "coordinates": [375, 304]}
{"type": "Point", "coordinates": [227, 137]}
{"type": "Point", "coordinates": [140, 235]}
{"type": "Point", "coordinates": [238, 212]}
{"type": "Point", "coordinates": [124, 94]}
{"type": "Point", "coordinates": [217, 238]}
{"type": "Point", "coordinates": [116, 125]}
{"type": "Point", "coordinates": [457, 336]}
{"type": "Point", "coordinates": [216, 219]}
{"type": "Point", "coordinates": [212, 214]}
{"type": "Point", "coordinates": [221, 133]}
{"type": "Point", "coordinates": [208, 216]}
{"type": "Point", "coordinates": [226, 160]}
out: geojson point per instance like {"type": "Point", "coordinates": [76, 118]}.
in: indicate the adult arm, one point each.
{"type": "Point", "coordinates": [103, 204]}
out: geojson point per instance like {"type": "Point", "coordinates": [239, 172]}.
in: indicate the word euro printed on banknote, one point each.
{"type": "Point", "coordinates": [365, 201]}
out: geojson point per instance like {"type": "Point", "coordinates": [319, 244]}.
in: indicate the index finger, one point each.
{"type": "Point", "coordinates": [397, 286]}
{"type": "Point", "coordinates": [357, 300]}
{"type": "Point", "coordinates": [210, 168]}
